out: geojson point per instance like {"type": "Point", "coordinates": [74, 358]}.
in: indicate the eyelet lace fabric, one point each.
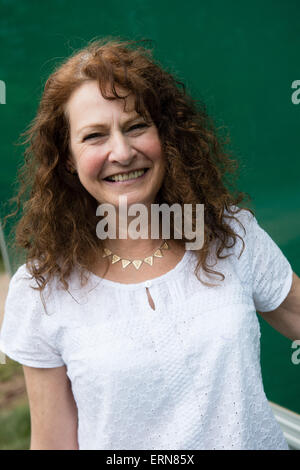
{"type": "Point", "coordinates": [184, 376]}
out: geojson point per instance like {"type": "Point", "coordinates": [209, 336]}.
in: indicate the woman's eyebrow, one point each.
{"type": "Point", "coordinates": [98, 125]}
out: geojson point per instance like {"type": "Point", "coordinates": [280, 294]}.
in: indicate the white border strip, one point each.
{"type": "Point", "coordinates": [289, 422]}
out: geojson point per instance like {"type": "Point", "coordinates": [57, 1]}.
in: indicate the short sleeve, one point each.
{"type": "Point", "coordinates": [271, 272]}
{"type": "Point", "coordinates": [28, 333]}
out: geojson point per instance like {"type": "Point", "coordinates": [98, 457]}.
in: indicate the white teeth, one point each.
{"type": "Point", "coordinates": [126, 176]}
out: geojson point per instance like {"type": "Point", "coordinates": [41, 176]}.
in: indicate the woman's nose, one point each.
{"type": "Point", "coordinates": [121, 149]}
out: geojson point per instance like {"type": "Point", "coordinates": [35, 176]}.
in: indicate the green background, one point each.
{"type": "Point", "coordinates": [239, 57]}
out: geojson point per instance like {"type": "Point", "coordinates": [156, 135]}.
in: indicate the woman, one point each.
{"type": "Point", "coordinates": [140, 348]}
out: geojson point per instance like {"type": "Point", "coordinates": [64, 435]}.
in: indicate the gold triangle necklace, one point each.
{"type": "Point", "coordinates": [137, 263]}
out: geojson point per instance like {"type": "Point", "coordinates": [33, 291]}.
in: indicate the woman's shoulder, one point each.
{"type": "Point", "coordinates": [236, 216]}
{"type": "Point", "coordinates": [241, 222]}
{"type": "Point", "coordinates": [26, 293]}
{"type": "Point", "coordinates": [29, 325]}
{"type": "Point", "coordinates": [21, 280]}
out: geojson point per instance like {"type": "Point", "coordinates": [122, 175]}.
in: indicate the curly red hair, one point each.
{"type": "Point", "coordinates": [198, 168]}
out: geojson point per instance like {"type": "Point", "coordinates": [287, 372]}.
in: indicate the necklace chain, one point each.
{"type": "Point", "coordinates": [137, 263]}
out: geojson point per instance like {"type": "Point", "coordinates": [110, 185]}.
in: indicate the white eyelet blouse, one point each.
{"type": "Point", "coordinates": [186, 375]}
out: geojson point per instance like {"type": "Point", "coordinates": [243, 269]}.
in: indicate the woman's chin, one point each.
{"type": "Point", "coordinates": [129, 197]}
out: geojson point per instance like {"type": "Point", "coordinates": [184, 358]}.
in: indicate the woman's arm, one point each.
{"type": "Point", "coordinates": [286, 318]}
{"type": "Point", "coordinates": [53, 410]}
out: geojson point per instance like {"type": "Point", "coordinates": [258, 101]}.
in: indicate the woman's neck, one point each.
{"type": "Point", "coordinates": [133, 249]}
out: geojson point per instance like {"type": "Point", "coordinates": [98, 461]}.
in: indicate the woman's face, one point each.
{"type": "Point", "coordinates": [106, 141]}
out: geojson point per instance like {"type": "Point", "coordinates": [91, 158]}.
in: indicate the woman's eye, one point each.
{"type": "Point", "coordinates": [92, 135]}
{"type": "Point", "coordinates": [136, 126]}
{"type": "Point", "coordinates": [97, 134]}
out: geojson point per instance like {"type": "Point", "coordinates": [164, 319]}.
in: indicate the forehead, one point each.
{"type": "Point", "coordinates": [87, 100]}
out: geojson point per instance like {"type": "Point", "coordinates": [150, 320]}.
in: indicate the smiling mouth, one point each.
{"type": "Point", "coordinates": [123, 178]}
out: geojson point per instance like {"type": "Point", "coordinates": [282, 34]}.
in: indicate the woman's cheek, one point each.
{"type": "Point", "coordinates": [91, 164]}
{"type": "Point", "coordinates": [154, 148]}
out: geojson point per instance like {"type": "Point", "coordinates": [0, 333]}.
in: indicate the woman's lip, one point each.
{"type": "Point", "coordinates": [126, 182]}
